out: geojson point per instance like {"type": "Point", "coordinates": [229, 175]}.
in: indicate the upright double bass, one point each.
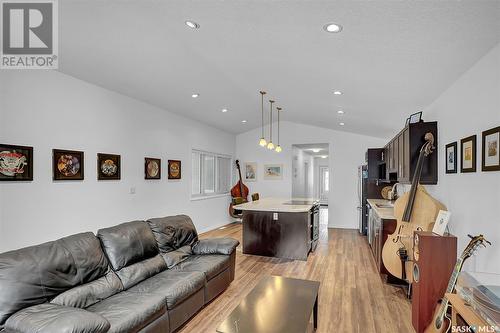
{"type": "Point", "coordinates": [239, 193]}
{"type": "Point", "coordinates": [415, 210]}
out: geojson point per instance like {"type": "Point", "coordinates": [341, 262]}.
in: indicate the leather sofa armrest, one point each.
{"type": "Point", "coordinates": [215, 246]}
{"type": "Point", "coordinates": [52, 318]}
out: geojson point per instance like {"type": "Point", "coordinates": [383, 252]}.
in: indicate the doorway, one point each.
{"type": "Point", "coordinates": [324, 184]}
{"type": "Point", "coordinates": [311, 172]}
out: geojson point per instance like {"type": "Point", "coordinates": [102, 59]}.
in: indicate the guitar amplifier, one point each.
{"type": "Point", "coordinates": [434, 258]}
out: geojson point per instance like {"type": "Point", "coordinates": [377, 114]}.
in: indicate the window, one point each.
{"type": "Point", "coordinates": [211, 174]}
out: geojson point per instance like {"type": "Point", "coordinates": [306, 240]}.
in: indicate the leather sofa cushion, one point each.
{"type": "Point", "coordinates": [173, 232]}
{"type": "Point", "coordinates": [133, 274]}
{"type": "Point", "coordinates": [36, 274]}
{"type": "Point", "coordinates": [210, 264]}
{"type": "Point", "coordinates": [52, 318]}
{"type": "Point", "coordinates": [216, 246]}
{"type": "Point", "coordinates": [129, 312]}
{"type": "Point", "coordinates": [90, 293]}
{"type": "Point", "coordinates": [172, 258]}
{"type": "Point", "coordinates": [174, 286]}
{"type": "Point", "coordinates": [128, 243]}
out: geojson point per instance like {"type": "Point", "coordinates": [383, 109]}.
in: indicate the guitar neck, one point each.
{"type": "Point", "coordinates": [451, 284]}
{"type": "Point", "coordinates": [454, 275]}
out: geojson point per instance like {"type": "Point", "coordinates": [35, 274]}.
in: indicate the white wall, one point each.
{"type": "Point", "coordinates": [346, 152]}
{"type": "Point", "coordinates": [299, 187]}
{"type": "Point", "coordinates": [47, 110]}
{"type": "Point", "coordinates": [471, 105]}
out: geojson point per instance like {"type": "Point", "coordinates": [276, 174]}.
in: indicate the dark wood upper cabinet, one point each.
{"type": "Point", "coordinates": [402, 154]}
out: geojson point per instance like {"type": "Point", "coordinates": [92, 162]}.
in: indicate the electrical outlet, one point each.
{"type": "Point", "coordinates": [275, 216]}
{"type": "Point", "coordinates": [132, 190]}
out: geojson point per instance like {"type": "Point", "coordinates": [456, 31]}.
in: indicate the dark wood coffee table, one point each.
{"type": "Point", "coordinates": [277, 304]}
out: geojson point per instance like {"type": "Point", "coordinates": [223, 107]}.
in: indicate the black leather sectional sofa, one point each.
{"type": "Point", "coordinates": [141, 276]}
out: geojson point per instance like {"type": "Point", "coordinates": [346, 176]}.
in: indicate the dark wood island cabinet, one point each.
{"type": "Point", "coordinates": [280, 228]}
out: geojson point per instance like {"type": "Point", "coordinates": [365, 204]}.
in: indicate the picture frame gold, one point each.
{"type": "Point", "coordinates": [174, 169]}
{"type": "Point", "coordinates": [468, 154]}
{"type": "Point", "coordinates": [68, 165]}
{"type": "Point", "coordinates": [16, 163]}
{"type": "Point", "coordinates": [152, 168]}
{"type": "Point", "coordinates": [490, 160]}
{"type": "Point", "coordinates": [108, 166]}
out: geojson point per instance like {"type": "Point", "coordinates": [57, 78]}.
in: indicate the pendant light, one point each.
{"type": "Point", "coordinates": [270, 145]}
{"type": "Point", "coordinates": [262, 140]}
{"type": "Point", "coordinates": [278, 147]}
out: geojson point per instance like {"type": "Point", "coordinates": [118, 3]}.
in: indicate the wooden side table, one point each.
{"type": "Point", "coordinates": [461, 314]}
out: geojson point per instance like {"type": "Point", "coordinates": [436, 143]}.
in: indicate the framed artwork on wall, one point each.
{"type": "Point", "coordinates": [250, 171]}
{"type": "Point", "coordinates": [491, 150]}
{"type": "Point", "coordinates": [152, 168]}
{"type": "Point", "coordinates": [273, 171]}
{"type": "Point", "coordinates": [16, 163]}
{"type": "Point", "coordinates": [468, 154]}
{"type": "Point", "coordinates": [174, 169]}
{"type": "Point", "coordinates": [67, 164]}
{"type": "Point", "coordinates": [451, 157]}
{"type": "Point", "coordinates": [108, 167]}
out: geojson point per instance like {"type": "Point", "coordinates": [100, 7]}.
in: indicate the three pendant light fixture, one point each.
{"type": "Point", "coordinates": [262, 142]}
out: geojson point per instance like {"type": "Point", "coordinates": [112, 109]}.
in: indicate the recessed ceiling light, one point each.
{"type": "Point", "coordinates": [340, 112]}
{"type": "Point", "coordinates": [243, 121]}
{"type": "Point", "coordinates": [316, 150]}
{"type": "Point", "coordinates": [224, 110]}
{"type": "Point", "coordinates": [337, 92]}
{"type": "Point", "coordinates": [332, 27]}
{"type": "Point", "coordinates": [341, 124]}
{"type": "Point", "coordinates": [324, 156]}
{"type": "Point", "coordinates": [192, 24]}
{"type": "Point", "coordinates": [195, 95]}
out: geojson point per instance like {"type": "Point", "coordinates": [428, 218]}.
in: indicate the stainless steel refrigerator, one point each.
{"type": "Point", "coordinates": [367, 189]}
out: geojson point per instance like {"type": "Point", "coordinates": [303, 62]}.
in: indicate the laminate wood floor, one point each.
{"type": "Point", "coordinates": [353, 297]}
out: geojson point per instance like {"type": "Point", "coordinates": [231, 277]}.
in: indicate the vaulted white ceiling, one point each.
{"type": "Point", "coordinates": [392, 58]}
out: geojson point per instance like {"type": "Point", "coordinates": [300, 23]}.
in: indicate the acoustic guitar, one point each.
{"type": "Point", "coordinates": [415, 210]}
{"type": "Point", "coordinates": [441, 322]}
{"type": "Point", "coordinates": [239, 194]}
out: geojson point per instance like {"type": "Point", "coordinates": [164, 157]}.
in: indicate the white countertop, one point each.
{"type": "Point", "coordinates": [382, 212]}
{"type": "Point", "coordinates": [277, 205]}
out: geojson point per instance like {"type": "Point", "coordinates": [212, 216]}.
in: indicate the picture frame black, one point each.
{"type": "Point", "coordinates": [469, 154]}
{"type": "Point", "coordinates": [451, 159]}
{"type": "Point", "coordinates": [491, 149]}
{"type": "Point", "coordinates": [152, 168]}
{"type": "Point", "coordinates": [174, 169]}
{"type": "Point", "coordinates": [68, 165]}
{"type": "Point", "coordinates": [416, 117]}
{"type": "Point", "coordinates": [16, 163]}
{"type": "Point", "coordinates": [108, 166]}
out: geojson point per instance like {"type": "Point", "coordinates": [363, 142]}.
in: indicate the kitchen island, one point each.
{"type": "Point", "coordinates": [282, 228]}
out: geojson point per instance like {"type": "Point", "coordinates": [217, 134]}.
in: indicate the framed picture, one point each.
{"type": "Point", "coordinates": [16, 163]}
{"type": "Point", "coordinates": [416, 117]}
{"type": "Point", "coordinates": [67, 164]}
{"type": "Point", "coordinates": [273, 171]}
{"type": "Point", "coordinates": [174, 169]}
{"type": "Point", "coordinates": [491, 148]}
{"type": "Point", "coordinates": [250, 171]}
{"type": "Point", "coordinates": [468, 152]}
{"type": "Point", "coordinates": [108, 167]}
{"type": "Point", "coordinates": [451, 157]}
{"type": "Point", "coordinates": [152, 168]}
